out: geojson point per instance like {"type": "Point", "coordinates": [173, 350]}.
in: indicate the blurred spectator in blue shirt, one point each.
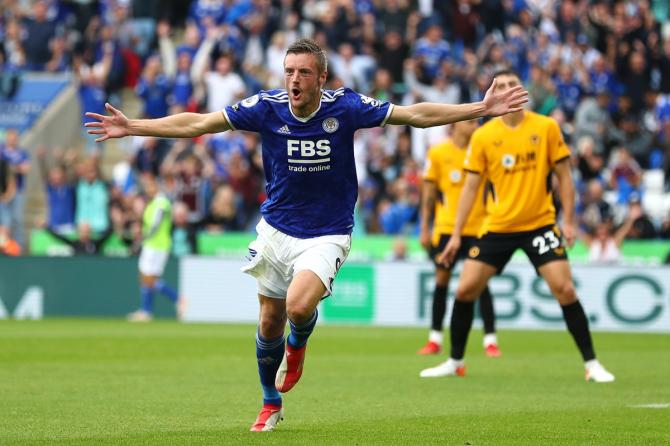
{"type": "Point", "coordinates": [19, 161]}
{"type": "Point", "coordinates": [60, 190]}
{"type": "Point", "coordinates": [39, 32]}
{"type": "Point", "coordinates": [430, 52]}
{"type": "Point", "coordinates": [155, 89]}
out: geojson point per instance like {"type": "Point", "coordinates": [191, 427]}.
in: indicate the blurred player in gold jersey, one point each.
{"type": "Point", "coordinates": [518, 154]}
{"type": "Point", "coordinates": [442, 184]}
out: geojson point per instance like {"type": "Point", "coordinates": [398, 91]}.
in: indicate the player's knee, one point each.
{"type": "Point", "coordinates": [466, 293]}
{"type": "Point", "coordinates": [298, 311]}
{"type": "Point", "coordinates": [271, 326]}
{"type": "Point", "coordinates": [565, 292]}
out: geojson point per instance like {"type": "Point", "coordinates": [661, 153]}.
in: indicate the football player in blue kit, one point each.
{"type": "Point", "coordinates": [304, 234]}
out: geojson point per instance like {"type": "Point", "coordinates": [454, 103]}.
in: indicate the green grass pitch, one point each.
{"type": "Point", "coordinates": [96, 382]}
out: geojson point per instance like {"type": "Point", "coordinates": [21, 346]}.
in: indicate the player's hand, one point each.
{"type": "Point", "coordinates": [448, 256]}
{"type": "Point", "coordinates": [424, 238]}
{"type": "Point", "coordinates": [114, 126]}
{"type": "Point", "coordinates": [570, 234]}
{"type": "Point", "coordinates": [508, 101]}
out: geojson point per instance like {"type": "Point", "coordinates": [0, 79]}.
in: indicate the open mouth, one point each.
{"type": "Point", "coordinates": [295, 94]}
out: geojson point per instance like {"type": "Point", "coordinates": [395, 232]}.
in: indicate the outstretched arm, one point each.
{"type": "Point", "coordinates": [427, 114]}
{"type": "Point", "coordinates": [181, 125]}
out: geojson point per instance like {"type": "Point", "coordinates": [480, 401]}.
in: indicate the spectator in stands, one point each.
{"type": "Point", "coordinates": [84, 243]}
{"type": "Point", "coordinates": [92, 198]}
{"type": "Point", "coordinates": [39, 31]}
{"type": "Point", "coordinates": [604, 242]}
{"type": "Point", "coordinates": [60, 190]}
{"type": "Point", "coordinates": [144, 13]}
{"type": "Point", "coordinates": [541, 91]}
{"type": "Point", "coordinates": [569, 89]}
{"type": "Point", "coordinates": [154, 88]}
{"type": "Point", "coordinates": [92, 88]}
{"type": "Point", "coordinates": [12, 45]}
{"type": "Point", "coordinates": [399, 216]}
{"type": "Point", "coordinates": [223, 85]}
{"type": "Point", "coordinates": [589, 162]}
{"type": "Point", "coordinates": [190, 187]}
{"type": "Point", "coordinates": [184, 234]}
{"type": "Point", "coordinates": [19, 161]}
{"type": "Point", "coordinates": [7, 191]}
{"type": "Point", "coordinates": [177, 69]}
{"type": "Point", "coordinates": [430, 52]}
{"type": "Point", "coordinates": [592, 119]}
{"type": "Point", "coordinates": [665, 228]}
{"type": "Point", "coordinates": [626, 174]}
{"type": "Point", "coordinates": [60, 61]}
{"type": "Point", "coordinates": [149, 156]}
{"type": "Point", "coordinates": [635, 138]}
{"type": "Point", "coordinates": [354, 70]}
{"type": "Point", "coordinates": [223, 215]}
{"type": "Point", "coordinates": [642, 227]}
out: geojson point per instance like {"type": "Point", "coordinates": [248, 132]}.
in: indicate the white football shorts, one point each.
{"type": "Point", "coordinates": [275, 257]}
{"type": "Point", "coordinates": [152, 262]}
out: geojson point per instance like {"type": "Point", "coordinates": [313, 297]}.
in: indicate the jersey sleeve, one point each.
{"type": "Point", "coordinates": [248, 114]}
{"type": "Point", "coordinates": [432, 170]}
{"type": "Point", "coordinates": [368, 112]}
{"type": "Point", "coordinates": [556, 147]}
{"type": "Point", "coordinates": [475, 158]}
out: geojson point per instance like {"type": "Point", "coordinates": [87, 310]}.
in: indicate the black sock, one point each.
{"type": "Point", "coordinates": [461, 321]}
{"type": "Point", "coordinates": [439, 307]}
{"type": "Point", "coordinates": [486, 311]}
{"type": "Point", "coordinates": [578, 326]}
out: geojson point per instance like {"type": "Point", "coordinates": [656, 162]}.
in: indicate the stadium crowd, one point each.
{"type": "Point", "coordinates": [600, 68]}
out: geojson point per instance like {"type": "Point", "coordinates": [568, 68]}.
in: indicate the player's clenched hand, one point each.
{"type": "Point", "coordinates": [114, 126]}
{"type": "Point", "coordinates": [501, 103]}
{"type": "Point", "coordinates": [569, 234]}
{"type": "Point", "coordinates": [448, 255]}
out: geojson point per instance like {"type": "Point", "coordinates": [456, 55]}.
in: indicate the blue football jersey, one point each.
{"type": "Point", "coordinates": [309, 162]}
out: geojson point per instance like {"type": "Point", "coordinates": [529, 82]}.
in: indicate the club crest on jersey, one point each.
{"type": "Point", "coordinates": [330, 125]}
{"type": "Point", "coordinates": [250, 101]}
{"type": "Point", "coordinates": [508, 161]}
{"type": "Point", "coordinates": [535, 139]}
{"type": "Point", "coordinates": [455, 176]}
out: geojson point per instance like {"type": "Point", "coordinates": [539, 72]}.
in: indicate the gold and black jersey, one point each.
{"type": "Point", "coordinates": [444, 167]}
{"type": "Point", "coordinates": [517, 161]}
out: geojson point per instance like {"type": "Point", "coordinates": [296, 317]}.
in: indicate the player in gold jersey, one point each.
{"type": "Point", "coordinates": [518, 155]}
{"type": "Point", "coordinates": [442, 183]}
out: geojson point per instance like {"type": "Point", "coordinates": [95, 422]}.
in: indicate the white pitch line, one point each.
{"type": "Point", "coordinates": [652, 406]}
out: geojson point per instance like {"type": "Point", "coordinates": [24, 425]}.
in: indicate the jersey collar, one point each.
{"type": "Point", "coordinates": [311, 115]}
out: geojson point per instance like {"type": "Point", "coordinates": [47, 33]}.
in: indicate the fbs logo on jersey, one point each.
{"type": "Point", "coordinates": [330, 125]}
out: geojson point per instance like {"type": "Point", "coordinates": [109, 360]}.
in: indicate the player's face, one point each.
{"type": "Point", "coordinates": [506, 81]}
{"type": "Point", "coordinates": [303, 81]}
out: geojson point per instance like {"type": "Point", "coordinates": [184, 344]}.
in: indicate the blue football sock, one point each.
{"type": "Point", "coordinates": [147, 299]}
{"type": "Point", "coordinates": [269, 353]}
{"type": "Point", "coordinates": [300, 333]}
{"type": "Point", "coordinates": [166, 290]}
